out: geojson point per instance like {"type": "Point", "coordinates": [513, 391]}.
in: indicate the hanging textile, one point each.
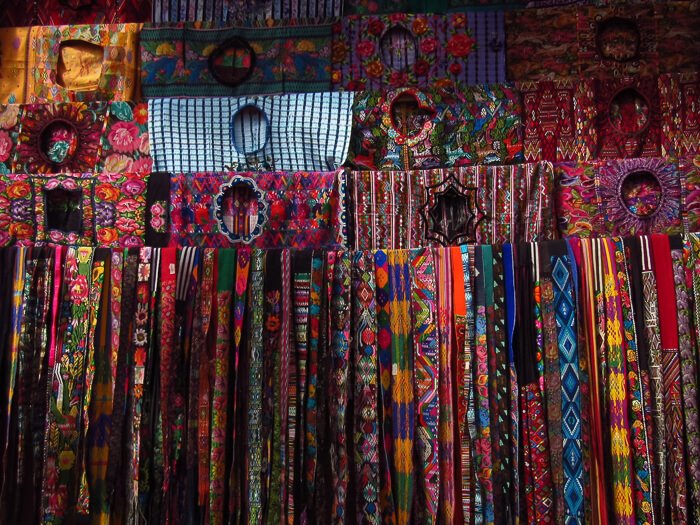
{"type": "Point", "coordinates": [445, 207]}
{"type": "Point", "coordinates": [70, 63]}
{"type": "Point", "coordinates": [301, 210]}
{"type": "Point", "coordinates": [409, 128]}
{"type": "Point", "coordinates": [399, 50]}
{"type": "Point", "coordinates": [102, 210]}
{"type": "Point", "coordinates": [250, 133]}
{"type": "Point", "coordinates": [626, 197]}
{"type": "Point", "coordinates": [679, 97]}
{"type": "Point", "coordinates": [237, 11]}
{"type": "Point", "coordinates": [202, 60]}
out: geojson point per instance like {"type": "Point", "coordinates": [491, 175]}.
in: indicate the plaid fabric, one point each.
{"type": "Point", "coordinates": [304, 132]}
{"type": "Point", "coordinates": [408, 209]}
{"type": "Point", "coordinates": [227, 11]}
{"type": "Point", "coordinates": [234, 60]}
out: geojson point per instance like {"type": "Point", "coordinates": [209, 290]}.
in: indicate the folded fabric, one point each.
{"type": "Point", "coordinates": [628, 197]}
{"type": "Point", "coordinates": [479, 204]}
{"type": "Point", "coordinates": [399, 50]}
{"type": "Point", "coordinates": [301, 132]}
{"type": "Point", "coordinates": [69, 63]}
{"type": "Point", "coordinates": [228, 11]}
{"type": "Point", "coordinates": [75, 137]}
{"type": "Point", "coordinates": [201, 60]}
{"type": "Point", "coordinates": [86, 209]}
{"type": "Point", "coordinates": [602, 42]}
{"type": "Point", "coordinates": [265, 210]}
{"type": "Point", "coordinates": [413, 129]}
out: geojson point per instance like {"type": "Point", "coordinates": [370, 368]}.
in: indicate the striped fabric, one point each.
{"type": "Point", "coordinates": [303, 132]}
{"type": "Point", "coordinates": [227, 11]}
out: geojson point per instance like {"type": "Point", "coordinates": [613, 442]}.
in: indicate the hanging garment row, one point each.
{"type": "Point", "coordinates": [363, 210]}
{"type": "Point", "coordinates": [543, 382]}
{"type": "Point", "coordinates": [375, 52]}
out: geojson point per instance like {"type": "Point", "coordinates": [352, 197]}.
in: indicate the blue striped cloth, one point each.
{"type": "Point", "coordinates": [299, 132]}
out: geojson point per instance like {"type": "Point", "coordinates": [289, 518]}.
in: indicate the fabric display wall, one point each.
{"type": "Point", "coordinates": [349, 261]}
{"type": "Point", "coordinates": [482, 383]}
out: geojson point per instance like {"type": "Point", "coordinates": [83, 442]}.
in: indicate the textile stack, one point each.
{"type": "Point", "coordinates": [349, 261]}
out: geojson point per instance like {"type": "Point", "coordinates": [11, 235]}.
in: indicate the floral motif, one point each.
{"type": "Point", "coordinates": [125, 144]}
{"type": "Point", "coordinates": [123, 137]}
{"type": "Point", "coordinates": [158, 216]}
{"type": "Point", "coordinates": [5, 145]}
{"type": "Point", "coordinates": [437, 49]}
{"type": "Point", "coordinates": [71, 131]}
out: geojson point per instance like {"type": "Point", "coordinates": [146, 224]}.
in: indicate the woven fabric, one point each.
{"type": "Point", "coordinates": [625, 197]}
{"type": "Point", "coordinates": [672, 379]}
{"type": "Point", "coordinates": [300, 210]}
{"type": "Point", "coordinates": [75, 137]}
{"type": "Point", "coordinates": [365, 342]}
{"type": "Point", "coordinates": [64, 421]}
{"type": "Point", "coordinates": [339, 390]}
{"type": "Point", "coordinates": [387, 507]}
{"type": "Point", "coordinates": [296, 132]}
{"type": "Point", "coordinates": [684, 306]}
{"type": "Point", "coordinates": [84, 209]}
{"type": "Point", "coordinates": [93, 62]}
{"type": "Point", "coordinates": [446, 423]}
{"type": "Point", "coordinates": [601, 42]}
{"type": "Point", "coordinates": [679, 98]}
{"type": "Point", "coordinates": [446, 207]}
{"type": "Point", "coordinates": [643, 482]}
{"type": "Point", "coordinates": [565, 313]}
{"type": "Point", "coordinates": [58, 12]}
{"type": "Point", "coordinates": [617, 394]}
{"type": "Point", "coordinates": [558, 120]}
{"type": "Point", "coordinates": [236, 11]}
{"type": "Point", "coordinates": [409, 128]}
{"type": "Point", "coordinates": [203, 60]}
{"type": "Point", "coordinates": [398, 50]}
{"type": "Point", "coordinates": [427, 379]}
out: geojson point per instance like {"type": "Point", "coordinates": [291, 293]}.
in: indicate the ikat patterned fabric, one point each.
{"type": "Point", "coordinates": [197, 59]}
{"type": "Point", "coordinates": [271, 210]}
{"type": "Point", "coordinates": [74, 137]}
{"type": "Point", "coordinates": [628, 196]}
{"type": "Point", "coordinates": [285, 133]}
{"type": "Point", "coordinates": [410, 128]}
{"type": "Point", "coordinates": [400, 50]}
{"type": "Point", "coordinates": [76, 63]}
{"type": "Point", "coordinates": [480, 204]}
{"type": "Point", "coordinates": [95, 210]}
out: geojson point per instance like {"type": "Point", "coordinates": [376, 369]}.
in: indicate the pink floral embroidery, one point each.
{"type": "Point", "coordinates": [158, 222]}
{"type": "Point", "coordinates": [5, 145]}
{"type": "Point", "coordinates": [124, 137]}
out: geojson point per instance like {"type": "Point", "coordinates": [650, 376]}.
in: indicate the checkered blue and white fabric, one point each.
{"type": "Point", "coordinates": [296, 132]}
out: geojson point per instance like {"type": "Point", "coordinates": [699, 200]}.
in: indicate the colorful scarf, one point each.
{"type": "Point", "coordinates": [689, 374]}
{"type": "Point", "coordinates": [427, 379]}
{"type": "Point", "coordinates": [366, 436]}
{"type": "Point", "coordinates": [234, 60]}
{"type": "Point", "coordinates": [265, 210]}
{"type": "Point", "coordinates": [446, 424]}
{"type": "Point", "coordinates": [255, 389]}
{"type": "Point", "coordinates": [409, 128]}
{"type": "Point", "coordinates": [250, 133]}
{"type": "Point", "coordinates": [220, 388]}
{"type": "Point", "coordinates": [374, 52]}
{"type": "Point", "coordinates": [386, 497]}
{"type": "Point", "coordinates": [402, 405]}
{"type": "Point", "coordinates": [480, 204]}
{"type": "Point", "coordinates": [672, 379]}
